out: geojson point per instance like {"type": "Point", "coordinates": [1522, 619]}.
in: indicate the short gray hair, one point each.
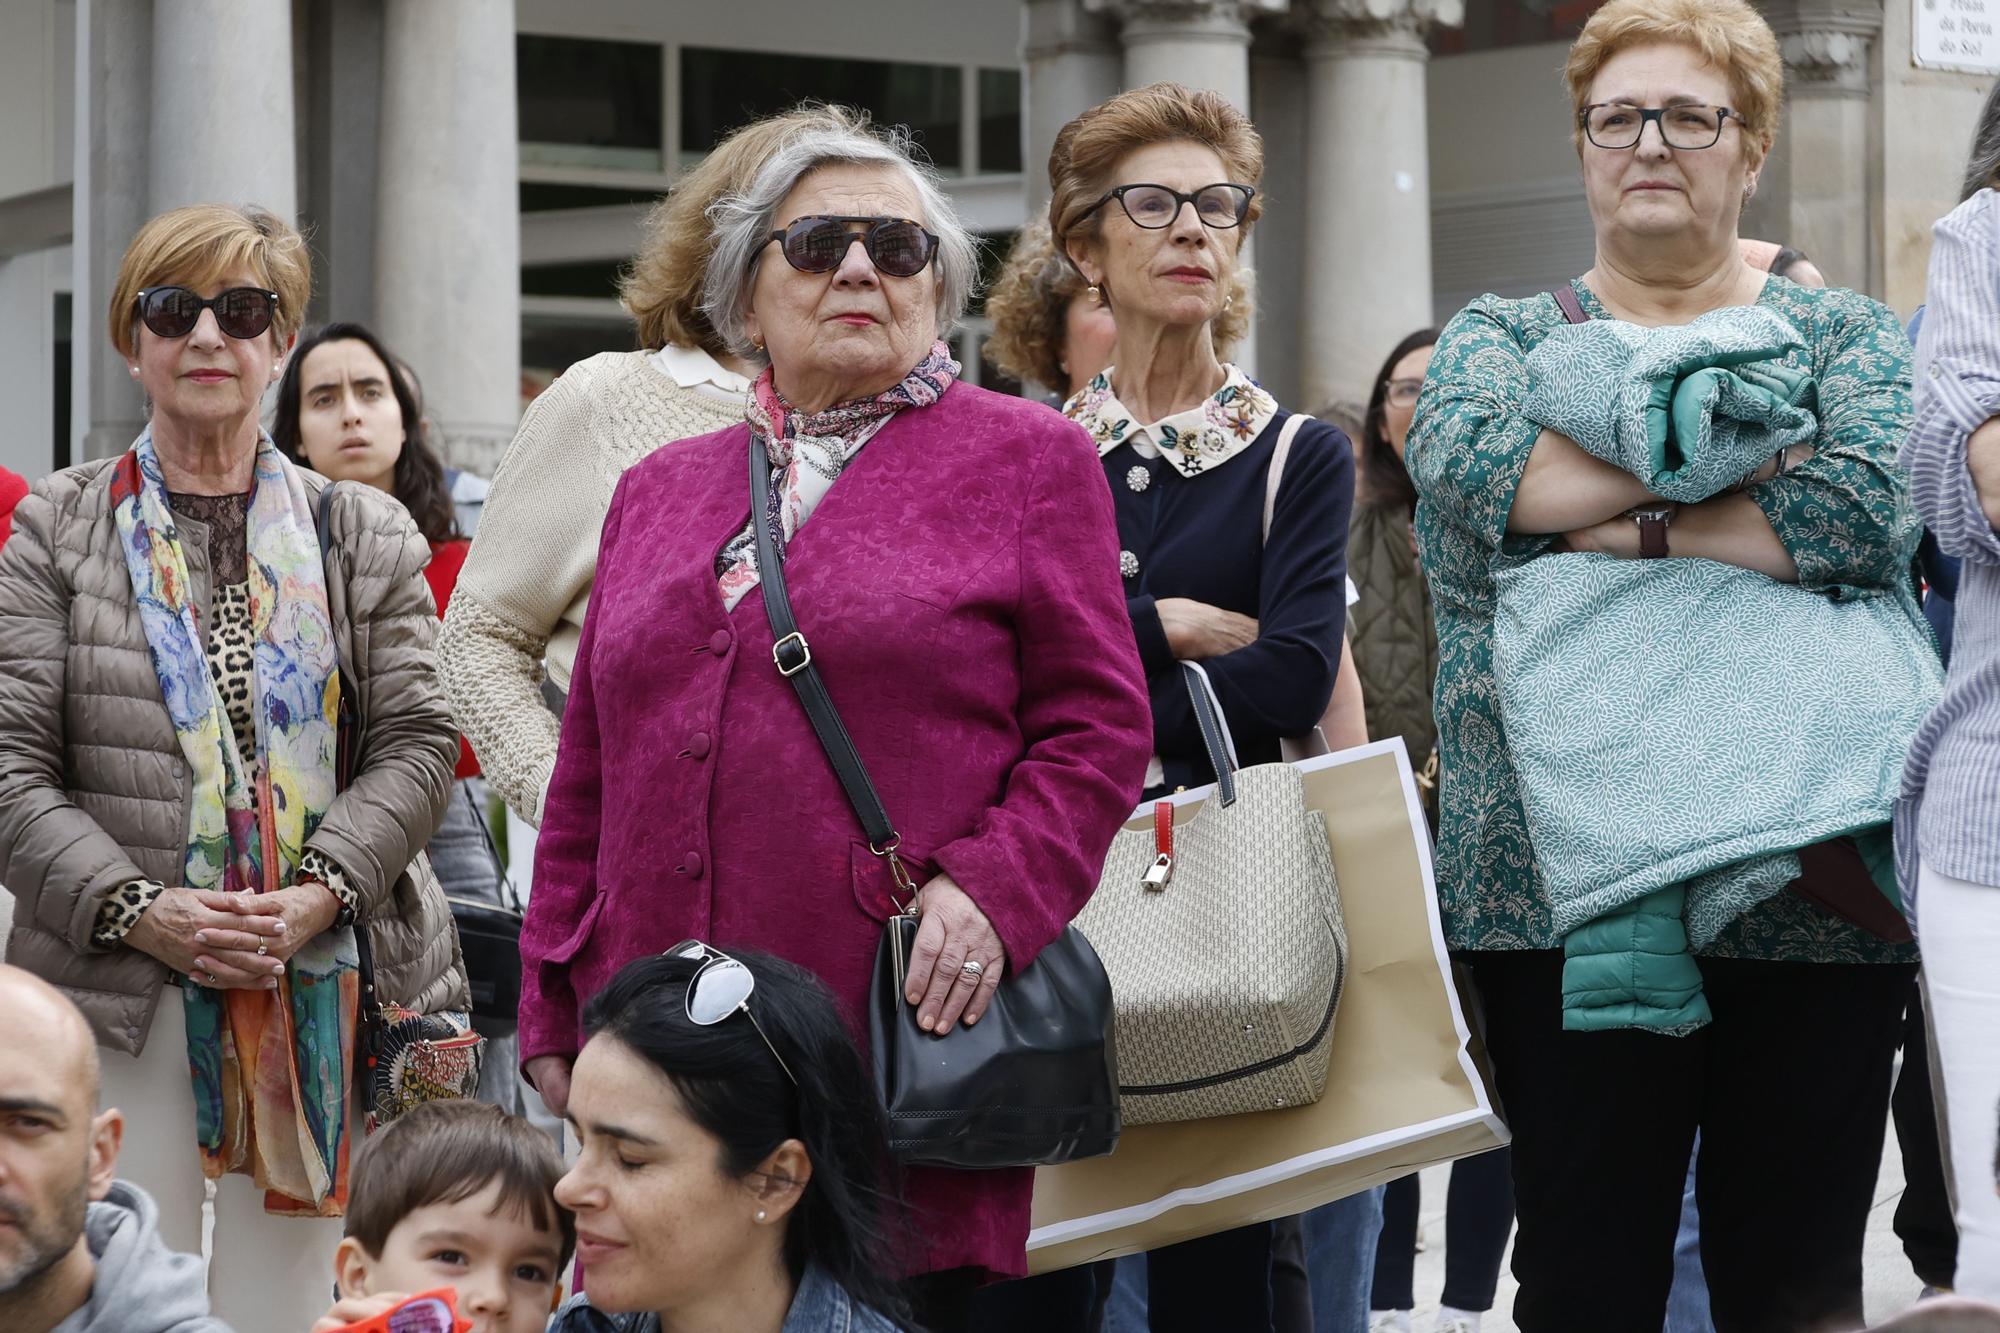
{"type": "Point", "coordinates": [743, 223]}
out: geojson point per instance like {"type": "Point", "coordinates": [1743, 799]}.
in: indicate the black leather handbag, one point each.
{"type": "Point", "coordinates": [1034, 1083]}
{"type": "Point", "coordinates": [489, 936]}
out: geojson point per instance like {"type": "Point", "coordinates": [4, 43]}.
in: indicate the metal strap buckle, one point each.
{"type": "Point", "coordinates": [899, 873]}
{"type": "Point", "coordinates": [804, 651]}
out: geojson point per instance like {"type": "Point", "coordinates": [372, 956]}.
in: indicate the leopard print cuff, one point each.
{"type": "Point", "coordinates": [316, 864]}
{"type": "Point", "coordinates": [121, 910]}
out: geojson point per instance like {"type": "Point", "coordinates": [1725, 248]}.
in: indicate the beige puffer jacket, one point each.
{"type": "Point", "coordinates": [94, 790]}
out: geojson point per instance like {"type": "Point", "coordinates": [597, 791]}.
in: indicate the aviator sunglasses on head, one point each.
{"type": "Point", "coordinates": [241, 312]}
{"type": "Point", "coordinates": [721, 987]}
{"type": "Point", "coordinates": [817, 244]}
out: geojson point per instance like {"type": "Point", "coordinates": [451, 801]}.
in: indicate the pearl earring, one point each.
{"type": "Point", "coordinates": [761, 1214]}
{"type": "Point", "coordinates": [1096, 293]}
{"type": "Point", "coordinates": [134, 370]}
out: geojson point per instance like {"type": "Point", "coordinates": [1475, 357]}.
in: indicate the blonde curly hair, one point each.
{"type": "Point", "coordinates": [662, 290]}
{"type": "Point", "coordinates": [1029, 304]}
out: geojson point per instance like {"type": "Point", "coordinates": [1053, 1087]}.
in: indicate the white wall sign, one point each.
{"type": "Point", "coordinates": [1958, 34]}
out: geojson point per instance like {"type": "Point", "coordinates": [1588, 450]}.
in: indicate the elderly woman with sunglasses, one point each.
{"type": "Point", "coordinates": [951, 556]}
{"type": "Point", "coordinates": [185, 869]}
{"type": "Point", "coordinates": [1153, 193]}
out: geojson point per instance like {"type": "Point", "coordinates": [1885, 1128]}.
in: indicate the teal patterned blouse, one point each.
{"type": "Point", "coordinates": [1845, 517]}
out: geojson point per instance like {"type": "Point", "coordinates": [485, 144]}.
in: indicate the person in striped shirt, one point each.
{"type": "Point", "coordinates": [1948, 820]}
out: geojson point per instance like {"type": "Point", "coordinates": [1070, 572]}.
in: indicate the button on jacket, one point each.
{"type": "Point", "coordinates": [958, 587]}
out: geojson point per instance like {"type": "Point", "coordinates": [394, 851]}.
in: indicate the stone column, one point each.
{"type": "Point", "coordinates": [222, 123]}
{"type": "Point", "coordinates": [448, 228]}
{"type": "Point", "coordinates": [1073, 62]}
{"type": "Point", "coordinates": [114, 43]}
{"type": "Point", "coordinates": [1814, 193]}
{"type": "Point", "coordinates": [1367, 260]}
{"type": "Point", "coordinates": [1201, 43]}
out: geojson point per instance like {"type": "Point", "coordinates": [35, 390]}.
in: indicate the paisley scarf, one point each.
{"type": "Point", "coordinates": [271, 1068]}
{"type": "Point", "coordinates": [809, 450]}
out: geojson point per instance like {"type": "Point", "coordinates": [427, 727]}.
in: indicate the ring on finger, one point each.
{"type": "Point", "coordinates": [972, 971]}
{"type": "Point", "coordinates": [262, 950]}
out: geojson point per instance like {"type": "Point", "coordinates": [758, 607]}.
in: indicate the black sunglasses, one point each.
{"type": "Point", "coordinates": [1155, 207]}
{"type": "Point", "coordinates": [816, 244]}
{"type": "Point", "coordinates": [721, 986]}
{"type": "Point", "coordinates": [241, 312]}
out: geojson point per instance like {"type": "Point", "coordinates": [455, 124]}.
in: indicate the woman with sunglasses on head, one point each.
{"type": "Point", "coordinates": [1153, 194]}
{"type": "Point", "coordinates": [732, 1151]}
{"type": "Point", "coordinates": [184, 866]}
{"type": "Point", "coordinates": [1783, 1005]}
{"type": "Point", "coordinates": [951, 558]}
{"type": "Point", "coordinates": [520, 601]}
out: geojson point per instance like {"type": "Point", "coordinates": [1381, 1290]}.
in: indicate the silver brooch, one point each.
{"type": "Point", "coordinates": [1128, 564]}
{"type": "Point", "coordinates": [1138, 478]}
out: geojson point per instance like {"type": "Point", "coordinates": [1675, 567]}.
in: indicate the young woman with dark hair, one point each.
{"type": "Point", "coordinates": [343, 412]}
{"type": "Point", "coordinates": [732, 1153]}
{"type": "Point", "coordinates": [349, 409]}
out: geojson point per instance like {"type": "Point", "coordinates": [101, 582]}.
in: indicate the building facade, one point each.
{"type": "Point", "coordinates": [472, 173]}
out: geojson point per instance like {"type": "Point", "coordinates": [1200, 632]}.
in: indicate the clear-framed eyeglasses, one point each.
{"type": "Point", "coordinates": [1615, 125]}
{"type": "Point", "coordinates": [1404, 393]}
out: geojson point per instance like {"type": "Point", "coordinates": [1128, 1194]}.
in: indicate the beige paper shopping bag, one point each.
{"type": "Point", "coordinates": [1405, 1088]}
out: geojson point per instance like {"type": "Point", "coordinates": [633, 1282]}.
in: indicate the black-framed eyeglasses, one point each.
{"type": "Point", "coordinates": [817, 244]}
{"type": "Point", "coordinates": [241, 312]}
{"type": "Point", "coordinates": [1155, 207]}
{"type": "Point", "coordinates": [721, 986]}
{"type": "Point", "coordinates": [1615, 125]}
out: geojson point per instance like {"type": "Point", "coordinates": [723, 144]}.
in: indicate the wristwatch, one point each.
{"type": "Point", "coordinates": [1653, 530]}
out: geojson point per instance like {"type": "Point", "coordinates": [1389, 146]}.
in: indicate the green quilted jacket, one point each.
{"type": "Point", "coordinates": [1392, 631]}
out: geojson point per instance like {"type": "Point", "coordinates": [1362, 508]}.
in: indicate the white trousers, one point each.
{"type": "Point", "coordinates": [265, 1272]}
{"type": "Point", "coordinates": [1961, 943]}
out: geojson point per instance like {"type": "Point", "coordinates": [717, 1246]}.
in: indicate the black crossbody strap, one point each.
{"type": "Point", "coordinates": [793, 656]}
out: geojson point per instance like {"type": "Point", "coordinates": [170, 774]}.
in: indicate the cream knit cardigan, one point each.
{"type": "Point", "coordinates": [521, 598]}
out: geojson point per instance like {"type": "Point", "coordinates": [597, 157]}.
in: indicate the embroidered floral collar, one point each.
{"type": "Point", "coordinates": [1193, 441]}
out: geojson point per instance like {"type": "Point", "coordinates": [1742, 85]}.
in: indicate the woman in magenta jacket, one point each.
{"type": "Point", "coordinates": [953, 559]}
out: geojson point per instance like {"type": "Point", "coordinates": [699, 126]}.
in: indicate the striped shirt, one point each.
{"type": "Point", "coordinates": [1950, 809]}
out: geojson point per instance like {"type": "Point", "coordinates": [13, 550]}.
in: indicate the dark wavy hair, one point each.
{"type": "Point", "coordinates": [731, 1087]}
{"type": "Point", "coordinates": [1385, 481]}
{"type": "Point", "coordinates": [419, 481]}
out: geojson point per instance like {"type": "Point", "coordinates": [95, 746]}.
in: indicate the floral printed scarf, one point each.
{"type": "Point", "coordinates": [1204, 437]}
{"type": "Point", "coordinates": [809, 450]}
{"type": "Point", "coordinates": [270, 1068]}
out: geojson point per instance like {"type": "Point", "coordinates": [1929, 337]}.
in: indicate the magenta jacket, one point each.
{"type": "Point", "coordinates": [959, 586]}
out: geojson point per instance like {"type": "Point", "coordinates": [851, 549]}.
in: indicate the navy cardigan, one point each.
{"type": "Point", "coordinates": [1201, 537]}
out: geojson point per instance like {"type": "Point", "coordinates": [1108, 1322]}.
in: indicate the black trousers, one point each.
{"type": "Point", "coordinates": [1217, 1282]}
{"type": "Point", "coordinates": [1068, 1300]}
{"type": "Point", "coordinates": [1789, 1087]}
{"type": "Point", "coordinates": [1198, 1286]}
{"type": "Point", "coordinates": [1923, 1216]}
{"type": "Point", "coordinates": [1478, 1218]}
